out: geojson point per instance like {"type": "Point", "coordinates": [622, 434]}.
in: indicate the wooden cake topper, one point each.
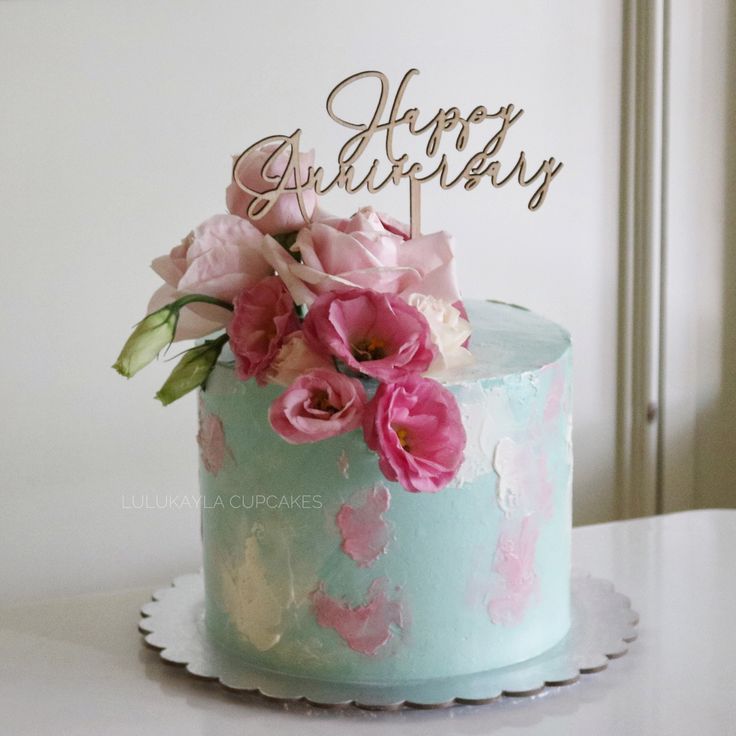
{"type": "Point", "coordinates": [481, 164]}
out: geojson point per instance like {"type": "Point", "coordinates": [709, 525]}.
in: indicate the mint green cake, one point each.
{"type": "Point", "coordinates": [317, 566]}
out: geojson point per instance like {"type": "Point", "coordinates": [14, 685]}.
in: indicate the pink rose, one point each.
{"type": "Point", "coordinates": [366, 219]}
{"type": "Point", "coordinates": [379, 335]}
{"type": "Point", "coordinates": [264, 315]}
{"type": "Point", "coordinates": [320, 404]}
{"type": "Point", "coordinates": [285, 215]}
{"type": "Point", "coordinates": [219, 258]}
{"type": "Point", "coordinates": [294, 358]}
{"type": "Point", "coordinates": [394, 226]}
{"type": "Point", "coordinates": [415, 428]}
{"type": "Point", "coordinates": [366, 252]}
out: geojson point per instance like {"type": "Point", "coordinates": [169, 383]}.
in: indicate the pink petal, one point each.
{"type": "Point", "coordinates": [432, 256]}
{"type": "Point", "coordinates": [284, 264]}
{"type": "Point", "coordinates": [168, 269]}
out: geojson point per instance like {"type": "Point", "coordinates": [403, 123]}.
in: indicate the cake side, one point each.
{"type": "Point", "coordinates": [316, 565]}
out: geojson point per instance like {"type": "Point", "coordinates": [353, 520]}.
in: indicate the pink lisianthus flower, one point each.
{"type": "Point", "coordinates": [320, 404]}
{"type": "Point", "coordinates": [379, 335]}
{"type": "Point", "coordinates": [294, 358]}
{"type": "Point", "coordinates": [364, 252]}
{"type": "Point", "coordinates": [284, 216]}
{"type": "Point", "coordinates": [264, 315]}
{"type": "Point", "coordinates": [416, 429]}
{"type": "Point", "coordinates": [219, 258]}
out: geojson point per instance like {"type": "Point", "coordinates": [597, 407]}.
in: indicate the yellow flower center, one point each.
{"type": "Point", "coordinates": [321, 402]}
{"type": "Point", "coordinates": [369, 348]}
{"type": "Point", "coordinates": [403, 435]}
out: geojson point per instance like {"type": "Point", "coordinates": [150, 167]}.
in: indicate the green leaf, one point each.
{"type": "Point", "coordinates": [286, 240]}
{"type": "Point", "coordinates": [192, 370]}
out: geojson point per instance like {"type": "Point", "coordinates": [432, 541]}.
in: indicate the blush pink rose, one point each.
{"type": "Point", "coordinates": [284, 216]}
{"type": "Point", "coordinates": [219, 258]}
{"type": "Point", "coordinates": [264, 315]}
{"type": "Point", "coordinates": [416, 429]}
{"type": "Point", "coordinates": [394, 226]}
{"type": "Point", "coordinates": [366, 219]}
{"type": "Point", "coordinates": [294, 358]}
{"type": "Point", "coordinates": [365, 252]}
{"type": "Point", "coordinates": [320, 404]}
{"type": "Point", "coordinates": [379, 335]}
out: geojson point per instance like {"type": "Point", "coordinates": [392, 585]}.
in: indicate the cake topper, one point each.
{"type": "Point", "coordinates": [480, 164]}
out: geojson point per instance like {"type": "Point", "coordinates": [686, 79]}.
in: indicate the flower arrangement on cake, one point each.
{"type": "Point", "coordinates": [356, 319]}
{"type": "Point", "coordinates": [318, 568]}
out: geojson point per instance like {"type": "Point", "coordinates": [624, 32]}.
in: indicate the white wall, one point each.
{"type": "Point", "coordinates": [117, 121]}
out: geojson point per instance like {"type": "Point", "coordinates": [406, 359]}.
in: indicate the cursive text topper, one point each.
{"type": "Point", "coordinates": [480, 164]}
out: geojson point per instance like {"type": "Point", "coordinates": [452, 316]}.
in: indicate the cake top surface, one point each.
{"type": "Point", "coordinates": [507, 339]}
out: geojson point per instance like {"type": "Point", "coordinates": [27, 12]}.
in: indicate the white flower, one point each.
{"type": "Point", "coordinates": [294, 358]}
{"type": "Point", "coordinates": [448, 331]}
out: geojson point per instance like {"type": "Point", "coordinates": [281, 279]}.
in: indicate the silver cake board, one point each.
{"type": "Point", "coordinates": [603, 624]}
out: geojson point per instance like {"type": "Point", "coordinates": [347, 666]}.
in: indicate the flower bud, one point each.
{"type": "Point", "coordinates": [151, 335]}
{"type": "Point", "coordinates": [192, 370]}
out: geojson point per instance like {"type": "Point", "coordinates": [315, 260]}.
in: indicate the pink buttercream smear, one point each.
{"type": "Point", "coordinates": [365, 533]}
{"type": "Point", "coordinates": [366, 627]}
{"type": "Point", "coordinates": [555, 396]}
{"type": "Point", "coordinates": [514, 563]}
{"type": "Point", "coordinates": [213, 447]}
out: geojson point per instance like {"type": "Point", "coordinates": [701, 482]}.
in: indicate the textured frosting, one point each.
{"type": "Point", "coordinates": [316, 565]}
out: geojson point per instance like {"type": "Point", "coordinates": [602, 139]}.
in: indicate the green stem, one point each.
{"type": "Point", "coordinates": [219, 341]}
{"type": "Point", "coordinates": [215, 342]}
{"type": "Point", "coordinates": [189, 298]}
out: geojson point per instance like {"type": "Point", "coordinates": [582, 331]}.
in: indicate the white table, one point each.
{"type": "Point", "coordinates": [77, 665]}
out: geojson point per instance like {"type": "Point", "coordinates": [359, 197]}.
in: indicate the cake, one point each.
{"type": "Point", "coordinates": [337, 573]}
{"type": "Point", "coordinates": [385, 468]}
